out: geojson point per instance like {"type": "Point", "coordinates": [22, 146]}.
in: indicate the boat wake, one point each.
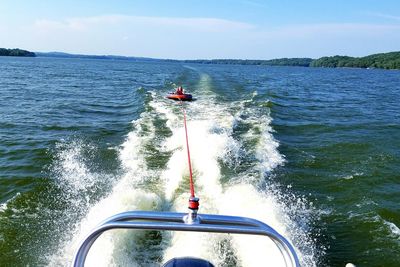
{"type": "Point", "coordinates": [234, 154]}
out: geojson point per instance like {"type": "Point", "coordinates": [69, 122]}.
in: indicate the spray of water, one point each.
{"type": "Point", "coordinates": [128, 193]}
{"type": "Point", "coordinates": [212, 139]}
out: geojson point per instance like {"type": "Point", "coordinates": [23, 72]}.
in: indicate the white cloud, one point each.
{"type": "Point", "coordinates": [197, 24]}
{"type": "Point", "coordinates": [164, 37]}
{"type": "Point", "coordinates": [316, 40]}
{"type": "Point", "coordinates": [135, 35]}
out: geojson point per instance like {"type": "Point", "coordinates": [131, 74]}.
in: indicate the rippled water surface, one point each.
{"type": "Point", "coordinates": [313, 152]}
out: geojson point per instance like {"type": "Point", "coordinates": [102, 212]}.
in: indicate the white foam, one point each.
{"type": "Point", "coordinates": [260, 120]}
{"type": "Point", "coordinates": [4, 206]}
{"type": "Point", "coordinates": [71, 168]}
{"type": "Point", "coordinates": [126, 195]}
{"type": "Point", "coordinates": [106, 251]}
{"type": "Point", "coordinates": [210, 129]}
{"type": "Point", "coordinates": [209, 142]}
{"type": "Point", "coordinates": [245, 200]}
{"type": "Point", "coordinates": [394, 229]}
{"type": "Point", "coordinates": [267, 149]}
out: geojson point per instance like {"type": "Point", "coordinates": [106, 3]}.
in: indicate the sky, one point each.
{"type": "Point", "coordinates": [202, 29]}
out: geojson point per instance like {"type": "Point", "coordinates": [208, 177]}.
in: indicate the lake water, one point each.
{"type": "Point", "coordinates": [313, 152]}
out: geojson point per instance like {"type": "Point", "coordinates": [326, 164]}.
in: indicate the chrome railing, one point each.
{"type": "Point", "coordinates": [171, 221]}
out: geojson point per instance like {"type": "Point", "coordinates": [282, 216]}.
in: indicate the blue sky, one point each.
{"type": "Point", "coordinates": [190, 29]}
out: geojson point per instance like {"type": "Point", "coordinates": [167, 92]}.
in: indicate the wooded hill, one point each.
{"type": "Point", "coordinates": [16, 53]}
{"type": "Point", "coordinates": [383, 61]}
{"type": "Point", "coordinates": [389, 60]}
{"type": "Point", "coordinates": [302, 62]}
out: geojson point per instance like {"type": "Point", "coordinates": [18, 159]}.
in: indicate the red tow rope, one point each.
{"type": "Point", "coordinates": [193, 200]}
{"type": "Point", "coordinates": [188, 154]}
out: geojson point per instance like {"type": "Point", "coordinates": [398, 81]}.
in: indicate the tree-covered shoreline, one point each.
{"type": "Point", "coordinates": [16, 53]}
{"type": "Point", "coordinates": [301, 62]}
{"type": "Point", "coordinates": [390, 60]}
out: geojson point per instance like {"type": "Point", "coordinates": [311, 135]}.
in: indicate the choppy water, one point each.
{"type": "Point", "coordinates": [315, 153]}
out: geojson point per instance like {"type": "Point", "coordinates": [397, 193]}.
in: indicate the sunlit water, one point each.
{"type": "Point", "coordinates": [315, 153]}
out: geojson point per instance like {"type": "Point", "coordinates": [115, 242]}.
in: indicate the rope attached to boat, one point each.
{"type": "Point", "coordinates": [193, 200]}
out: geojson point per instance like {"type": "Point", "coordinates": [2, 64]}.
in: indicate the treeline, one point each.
{"type": "Point", "coordinates": [383, 61]}
{"type": "Point", "coordinates": [302, 62]}
{"type": "Point", "coordinates": [67, 55]}
{"type": "Point", "coordinates": [389, 60]}
{"type": "Point", "coordinates": [16, 53]}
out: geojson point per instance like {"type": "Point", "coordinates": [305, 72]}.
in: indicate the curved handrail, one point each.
{"type": "Point", "coordinates": [152, 220]}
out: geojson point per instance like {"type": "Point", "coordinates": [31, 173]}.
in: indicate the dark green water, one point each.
{"type": "Point", "coordinates": [318, 150]}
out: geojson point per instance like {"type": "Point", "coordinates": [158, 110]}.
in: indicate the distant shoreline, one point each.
{"type": "Point", "coordinates": [390, 60]}
{"type": "Point", "coordinates": [16, 53]}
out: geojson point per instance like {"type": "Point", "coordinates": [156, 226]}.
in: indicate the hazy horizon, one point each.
{"type": "Point", "coordinates": [133, 56]}
{"type": "Point", "coordinates": [242, 29]}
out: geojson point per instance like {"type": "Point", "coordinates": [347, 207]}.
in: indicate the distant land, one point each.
{"type": "Point", "coordinates": [16, 53]}
{"type": "Point", "coordinates": [382, 61]}
{"type": "Point", "coordinates": [302, 62]}
{"type": "Point", "coordinates": [67, 55]}
{"type": "Point", "coordinates": [389, 60]}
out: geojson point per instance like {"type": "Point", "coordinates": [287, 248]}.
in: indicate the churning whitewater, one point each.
{"type": "Point", "coordinates": [234, 154]}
